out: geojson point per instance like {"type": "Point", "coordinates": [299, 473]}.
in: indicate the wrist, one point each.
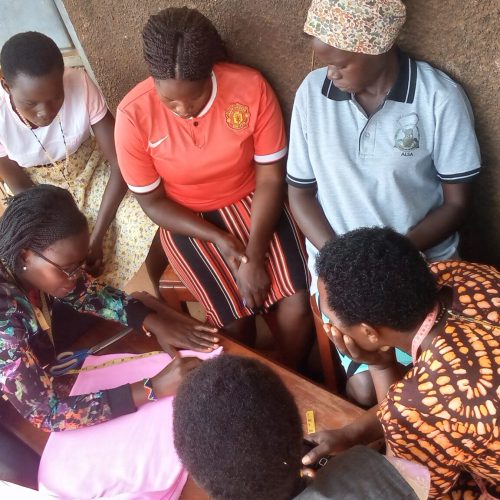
{"type": "Point", "coordinates": [96, 238]}
{"type": "Point", "coordinates": [352, 435]}
{"type": "Point", "coordinates": [149, 324]}
{"type": "Point", "coordinates": [256, 254]}
{"type": "Point", "coordinates": [217, 235]}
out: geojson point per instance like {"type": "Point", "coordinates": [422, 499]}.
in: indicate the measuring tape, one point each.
{"type": "Point", "coordinates": [113, 362]}
{"type": "Point", "coordinates": [310, 423]}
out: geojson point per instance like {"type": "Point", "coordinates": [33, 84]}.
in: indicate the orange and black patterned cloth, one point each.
{"type": "Point", "coordinates": [444, 412]}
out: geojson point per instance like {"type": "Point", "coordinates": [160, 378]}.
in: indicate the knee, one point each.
{"type": "Point", "coordinates": [361, 390]}
{"type": "Point", "coordinates": [297, 305]}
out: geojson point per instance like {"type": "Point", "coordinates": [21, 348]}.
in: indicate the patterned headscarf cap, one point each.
{"type": "Point", "coordinates": [366, 26]}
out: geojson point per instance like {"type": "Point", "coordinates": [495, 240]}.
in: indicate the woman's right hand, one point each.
{"type": "Point", "coordinates": [168, 380]}
{"type": "Point", "coordinates": [329, 442]}
{"type": "Point", "coordinates": [232, 250]}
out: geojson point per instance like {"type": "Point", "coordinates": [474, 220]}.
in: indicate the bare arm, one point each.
{"type": "Point", "coordinates": [310, 216]}
{"type": "Point", "coordinates": [444, 220]}
{"type": "Point", "coordinates": [253, 280]}
{"type": "Point", "coordinates": [13, 175]}
{"type": "Point", "coordinates": [384, 376]}
{"type": "Point", "coordinates": [114, 192]}
{"type": "Point", "coordinates": [266, 207]}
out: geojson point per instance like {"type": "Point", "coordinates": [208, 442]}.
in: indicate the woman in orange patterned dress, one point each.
{"type": "Point", "coordinates": [379, 294]}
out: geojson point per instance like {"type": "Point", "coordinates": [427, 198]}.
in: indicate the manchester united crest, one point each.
{"type": "Point", "coordinates": [237, 116]}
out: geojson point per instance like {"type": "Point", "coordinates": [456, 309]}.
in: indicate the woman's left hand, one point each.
{"type": "Point", "coordinates": [94, 264]}
{"type": "Point", "coordinates": [253, 283]}
{"type": "Point", "coordinates": [176, 329]}
{"type": "Point", "coordinates": [382, 358]}
{"type": "Point", "coordinates": [182, 332]}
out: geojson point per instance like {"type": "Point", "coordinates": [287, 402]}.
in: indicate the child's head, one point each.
{"type": "Point", "coordinates": [237, 430]}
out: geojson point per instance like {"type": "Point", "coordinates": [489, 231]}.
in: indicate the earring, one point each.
{"type": "Point", "coordinates": [24, 268]}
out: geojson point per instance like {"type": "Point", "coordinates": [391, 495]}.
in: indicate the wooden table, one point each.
{"type": "Point", "coordinates": [330, 410]}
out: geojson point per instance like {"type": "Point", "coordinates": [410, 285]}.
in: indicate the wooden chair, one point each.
{"type": "Point", "coordinates": [174, 292]}
{"type": "Point", "coordinates": [328, 354]}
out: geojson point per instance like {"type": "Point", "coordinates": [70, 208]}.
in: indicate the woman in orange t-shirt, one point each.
{"type": "Point", "coordinates": [201, 143]}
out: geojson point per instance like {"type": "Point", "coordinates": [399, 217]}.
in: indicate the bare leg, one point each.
{"type": "Point", "coordinates": [360, 389]}
{"type": "Point", "coordinates": [156, 262]}
{"type": "Point", "coordinates": [242, 330]}
{"type": "Point", "coordinates": [296, 327]}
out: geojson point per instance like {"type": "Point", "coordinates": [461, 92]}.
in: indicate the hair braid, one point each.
{"type": "Point", "coordinates": [37, 218]}
{"type": "Point", "coordinates": [181, 43]}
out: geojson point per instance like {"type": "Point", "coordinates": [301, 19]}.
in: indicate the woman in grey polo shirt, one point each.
{"type": "Point", "coordinates": [377, 139]}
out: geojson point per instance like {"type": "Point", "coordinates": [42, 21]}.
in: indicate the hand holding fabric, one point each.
{"type": "Point", "coordinates": [168, 380]}
{"type": "Point", "coordinates": [173, 328]}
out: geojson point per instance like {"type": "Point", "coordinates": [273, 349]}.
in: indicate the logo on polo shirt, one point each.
{"type": "Point", "coordinates": [237, 116]}
{"type": "Point", "coordinates": [407, 134]}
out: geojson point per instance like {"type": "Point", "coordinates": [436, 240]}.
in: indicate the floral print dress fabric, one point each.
{"type": "Point", "coordinates": [25, 348]}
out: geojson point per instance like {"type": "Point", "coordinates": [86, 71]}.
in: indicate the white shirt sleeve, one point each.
{"type": "Point", "coordinates": [299, 169]}
{"type": "Point", "coordinates": [456, 152]}
{"type": "Point", "coordinates": [96, 104]}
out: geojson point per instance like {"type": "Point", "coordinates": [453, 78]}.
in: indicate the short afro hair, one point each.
{"type": "Point", "coordinates": [181, 43]}
{"type": "Point", "coordinates": [30, 53]}
{"type": "Point", "coordinates": [376, 276]}
{"type": "Point", "coordinates": [237, 430]}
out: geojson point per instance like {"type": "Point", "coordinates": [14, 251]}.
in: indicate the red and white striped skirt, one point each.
{"type": "Point", "coordinates": [202, 269]}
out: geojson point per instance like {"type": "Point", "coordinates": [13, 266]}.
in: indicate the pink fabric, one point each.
{"type": "Point", "coordinates": [131, 457]}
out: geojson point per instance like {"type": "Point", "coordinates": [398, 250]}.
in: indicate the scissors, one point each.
{"type": "Point", "coordinates": [73, 360]}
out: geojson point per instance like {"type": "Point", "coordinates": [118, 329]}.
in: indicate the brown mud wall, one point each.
{"type": "Point", "coordinates": [460, 37]}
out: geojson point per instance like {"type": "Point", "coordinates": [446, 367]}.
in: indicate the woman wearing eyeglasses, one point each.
{"type": "Point", "coordinates": [44, 240]}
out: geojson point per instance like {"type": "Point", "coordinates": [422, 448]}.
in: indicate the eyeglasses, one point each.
{"type": "Point", "coordinates": [69, 274]}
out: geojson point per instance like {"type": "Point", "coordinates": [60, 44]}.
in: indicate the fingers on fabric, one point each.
{"type": "Point", "coordinates": [208, 329]}
{"type": "Point", "coordinates": [316, 453]}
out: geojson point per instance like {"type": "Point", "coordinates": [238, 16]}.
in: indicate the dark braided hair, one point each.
{"type": "Point", "coordinates": [35, 219]}
{"type": "Point", "coordinates": [181, 43]}
{"type": "Point", "coordinates": [376, 276]}
{"type": "Point", "coordinates": [30, 53]}
{"type": "Point", "coordinates": [237, 430]}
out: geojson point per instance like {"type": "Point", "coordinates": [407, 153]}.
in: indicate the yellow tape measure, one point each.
{"type": "Point", "coordinates": [310, 423]}
{"type": "Point", "coordinates": [113, 362]}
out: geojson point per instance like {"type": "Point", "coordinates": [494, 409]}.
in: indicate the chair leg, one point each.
{"type": "Point", "coordinates": [325, 350]}
{"type": "Point", "coordinates": [169, 295]}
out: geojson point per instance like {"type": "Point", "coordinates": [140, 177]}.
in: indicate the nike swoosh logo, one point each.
{"type": "Point", "coordinates": [157, 143]}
